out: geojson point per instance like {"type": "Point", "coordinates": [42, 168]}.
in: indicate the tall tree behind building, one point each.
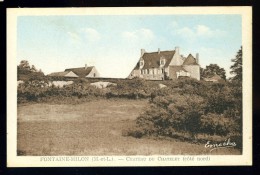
{"type": "Point", "coordinates": [236, 68]}
{"type": "Point", "coordinates": [211, 70]}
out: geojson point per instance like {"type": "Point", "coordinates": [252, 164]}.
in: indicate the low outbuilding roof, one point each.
{"type": "Point", "coordinates": [81, 71]}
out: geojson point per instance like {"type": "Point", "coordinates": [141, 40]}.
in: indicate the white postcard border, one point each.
{"type": "Point", "coordinates": [92, 161]}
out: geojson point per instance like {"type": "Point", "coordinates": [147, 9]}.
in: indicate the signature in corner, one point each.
{"type": "Point", "coordinates": [226, 144]}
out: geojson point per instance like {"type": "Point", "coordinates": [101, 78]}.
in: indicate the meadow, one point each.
{"type": "Point", "coordinates": [96, 127]}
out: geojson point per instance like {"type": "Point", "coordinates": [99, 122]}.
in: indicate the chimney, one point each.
{"type": "Point", "coordinates": [197, 58]}
{"type": "Point", "coordinates": [142, 52]}
{"type": "Point", "coordinates": [86, 66]}
{"type": "Point", "coordinates": [177, 50]}
{"type": "Point", "coordinates": [159, 51]}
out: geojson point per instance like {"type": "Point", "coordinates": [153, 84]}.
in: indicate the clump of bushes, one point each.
{"type": "Point", "coordinates": [132, 89]}
{"type": "Point", "coordinates": [37, 91]}
{"type": "Point", "coordinates": [41, 90]}
{"type": "Point", "coordinates": [190, 109]}
{"type": "Point", "coordinates": [31, 90]}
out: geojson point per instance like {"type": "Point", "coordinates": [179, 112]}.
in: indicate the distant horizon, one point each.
{"type": "Point", "coordinates": [112, 43]}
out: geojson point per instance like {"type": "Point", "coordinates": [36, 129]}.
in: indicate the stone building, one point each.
{"type": "Point", "coordinates": [81, 72]}
{"type": "Point", "coordinates": [85, 72]}
{"type": "Point", "coordinates": [163, 65]}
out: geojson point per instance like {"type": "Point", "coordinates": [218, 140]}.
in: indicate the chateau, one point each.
{"type": "Point", "coordinates": [163, 65]}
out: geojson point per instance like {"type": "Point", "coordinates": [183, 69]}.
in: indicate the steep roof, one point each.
{"type": "Point", "coordinates": [190, 60]}
{"type": "Point", "coordinates": [152, 59]}
{"type": "Point", "coordinates": [81, 71]}
{"type": "Point", "coordinates": [58, 74]}
{"type": "Point", "coordinates": [174, 69]}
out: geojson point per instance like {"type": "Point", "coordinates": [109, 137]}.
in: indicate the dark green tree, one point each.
{"type": "Point", "coordinates": [236, 68]}
{"type": "Point", "coordinates": [213, 69]}
{"type": "Point", "coordinates": [24, 64]}
{"type": "Point", "coordinates": [26, 73]}
{"type": "Point", "coordinates": [33, 69]}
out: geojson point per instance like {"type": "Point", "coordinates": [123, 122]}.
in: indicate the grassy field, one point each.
{"type": "Point", "coordinates": [93, 128]}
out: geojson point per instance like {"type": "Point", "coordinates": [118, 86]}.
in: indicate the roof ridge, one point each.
{"type": "Point", "coordinates": [80, 67]}
{"type": "Point", "coordinates": [160, 51]}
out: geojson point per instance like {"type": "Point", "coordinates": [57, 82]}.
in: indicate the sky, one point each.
{"type": "Point", "coordinates": [112, 43]}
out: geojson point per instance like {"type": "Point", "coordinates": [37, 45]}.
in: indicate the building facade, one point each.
{"type": "Point", "coordinates": [85, 72]}
{"type": "Point", "coordinates": [80, 72]}
{"type": "Point", "coordinates": [163, 65]}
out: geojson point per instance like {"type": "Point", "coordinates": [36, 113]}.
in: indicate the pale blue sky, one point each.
{"type": "Point", "coordinates": [113, 43]}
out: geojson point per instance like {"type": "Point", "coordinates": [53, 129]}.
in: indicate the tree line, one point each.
{"type": "Point", "coordinates": [214, 69]}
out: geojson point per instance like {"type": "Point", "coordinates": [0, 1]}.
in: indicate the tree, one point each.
{"type": "Point", "coordinates": [236, 68]}
{"type": "Point", "coordinates": [33, 69]}
{"type": "Point", "coordinates": [27, 73]}
{"type": "Point", "coordinates": [213, 69]}
{"type": "Point", "coordinates": [24, 64]}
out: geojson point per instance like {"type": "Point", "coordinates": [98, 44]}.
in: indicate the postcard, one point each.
{"type": "Point", "coordinates": [155, 86]}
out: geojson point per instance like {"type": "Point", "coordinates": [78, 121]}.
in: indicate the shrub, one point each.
{"type": "Point", "coordinates": [133, 89]}
{"type": "Point", "coordinates": [168, 115]}
{"type": "Point", "coordinates": [136, 132]}
{"type": "Point", "coordinates": [36, 91]}
{"type": "Point", "coordinates": [31, 91]}
{"type": "Point", "coordinates": [192, 107]}
{"type": "Point", "coordinates": [215, 124]}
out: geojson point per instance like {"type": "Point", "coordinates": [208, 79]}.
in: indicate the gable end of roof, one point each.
{"type": "Point", "coordinates": [190, 60]}
{"type": "Point", "coordinates": [81, 71]}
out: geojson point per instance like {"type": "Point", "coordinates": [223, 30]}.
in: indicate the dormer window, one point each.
{"type": "Point", "coordinates": [141, 63]}
{"type": "Point", "coordinates": [162, 61]}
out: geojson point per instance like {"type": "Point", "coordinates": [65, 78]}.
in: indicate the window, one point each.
{"type": "Point", "coordinates": [162, 61]}
{"type": "Point", "coordinates": [141, 63]}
